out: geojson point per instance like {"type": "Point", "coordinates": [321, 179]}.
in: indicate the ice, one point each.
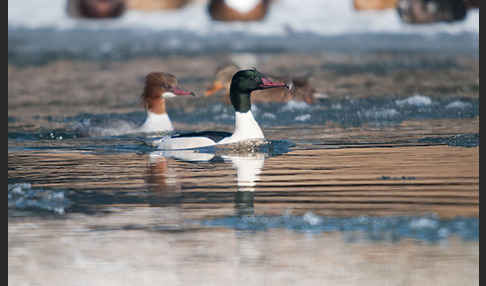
{"type": "Point", "coordinates": [423, 223]}
{"type": "Point", "coordinates": [458, 105]}
{"type": "Point", "coordinates": [293, 105]}
{"type": "Point", "coordinates": [415, 100]}
{"type": "Point", "coordinates": [311, 218]}
{"type": "Point", "coordinates": [23, 196]}
{"type": "Point", "coordinates": [304, 117]}
{"type": "Point", "coordinates": [391, 228]}
{"type": "Point", "coordinates": [381, 113]}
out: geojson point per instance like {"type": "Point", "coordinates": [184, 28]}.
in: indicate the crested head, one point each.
{"type": "Point", "coordinates": [246, 81]}
{"type": "Point", "coordinates": [158, 86]}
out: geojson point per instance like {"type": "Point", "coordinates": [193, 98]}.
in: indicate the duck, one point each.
{"type": "Point", "coordinates": [431, 11]}
{"type": "Point", "coordinates": [158, 87]}
{"type": "Point", "coordinates": [300, 89]}
{"type": "Point", "coordinates": [99, 9]}
{"type": "Point", "coordinates": [246, 130]}
{"type": "Point", "coordinates": [96, 9]}
{"type": "Point", "coordinates": [238, 10]}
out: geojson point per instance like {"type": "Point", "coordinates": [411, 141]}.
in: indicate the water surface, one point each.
{"type": "Point", "coordinates": [373, 184]}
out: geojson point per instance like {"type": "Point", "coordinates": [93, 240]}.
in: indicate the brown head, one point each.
{"type": "Point", "coordinates": [101, 8]}
{"type": "Point", "coordinates": [158, 87]}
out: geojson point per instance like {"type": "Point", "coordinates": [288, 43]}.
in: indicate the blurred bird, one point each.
{"type": "Point", "coordinates": [300, 89]}
{"type": "Point", "coordinates": [99, 9]}
{"type": "Point", "coordinates": [374, 4]}
{"type": "Point", "coordinates": [96, 9]}
{"type": "Point", "coordinates": [430, 11]}
{"type": "Point", "coordinates": [238, 10]}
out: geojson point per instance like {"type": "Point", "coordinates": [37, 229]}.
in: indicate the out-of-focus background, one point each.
{"type": "Point", "coordinates": [42, 29]}
{"type": "Point", "coordinates": [370, 175]}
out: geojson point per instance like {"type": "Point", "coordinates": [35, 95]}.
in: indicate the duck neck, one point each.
{"type": "Point", "coordinates": [156, 122]}
{"type": "Point", "coordinates": [246, 127]}
{"type": "Point", "coordinates": [240, 100]}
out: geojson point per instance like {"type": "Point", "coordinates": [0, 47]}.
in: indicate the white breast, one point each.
{"type": "Point", "coordinates": [246, 128]}
{"type": "Point", "coordinates": [242, 6]}
{"type": "Point", "coordinates": [156, 123]}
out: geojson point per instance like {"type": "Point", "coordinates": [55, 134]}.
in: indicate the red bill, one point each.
{"type": "Point", "coordinates": [267, 83]}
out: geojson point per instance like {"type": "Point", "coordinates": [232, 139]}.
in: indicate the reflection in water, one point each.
{"type": "Point", "coordinates": [221, 218]}
{"type": "Point", "coordinates": [163, 180]}
{"type": "Point", "coordinates": [244, 203]}
{"type": "Point", "coordinates": [248, 169]}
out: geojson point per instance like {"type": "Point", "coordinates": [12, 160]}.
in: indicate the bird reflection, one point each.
{"type": "Point", "coordinates": [248, 169]}
{"type": "Point", "coordinates": [162, 179]}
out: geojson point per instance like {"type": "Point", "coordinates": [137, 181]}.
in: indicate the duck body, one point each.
{"type": "Point", "coordinates": [246, 127]}
{"type": "Point", "coordinates": [238, 10]}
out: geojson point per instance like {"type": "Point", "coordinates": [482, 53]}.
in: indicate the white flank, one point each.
{"type": "Point", "coordinates": [168, 143]}
{"type": "Point", "coordinates": [246, 128]}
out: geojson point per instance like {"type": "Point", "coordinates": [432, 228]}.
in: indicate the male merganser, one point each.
{"type": "Point", "coordinates": [238, 10]}
{"type": "Point", "coordinates": [158, 87]}
{"type": "Point", "coordinates": [300, 89]}
{"type": "Point", "coordinates": [246, 127]}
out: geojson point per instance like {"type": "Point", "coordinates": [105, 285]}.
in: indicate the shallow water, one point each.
{"type": "Point", "coordinates": [374, 184]}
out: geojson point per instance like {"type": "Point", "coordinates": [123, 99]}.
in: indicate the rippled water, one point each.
{"type": "Point", "coordinates": [378, 190]}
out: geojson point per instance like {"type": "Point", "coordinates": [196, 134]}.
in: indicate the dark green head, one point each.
{"type": "Point", "coordinates": [246, 81]}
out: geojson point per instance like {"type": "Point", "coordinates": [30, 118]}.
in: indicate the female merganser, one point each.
{"type": "Point", "coordinates": [115, 8]}
{"type": "Point", "coordinates": [246, 127]}
{"type": "Point", "coordinates": [96, 8]}
{"type": "Point", "coordinates": [238, 10]}
{"type": "Point", "coordinates": [158, 87]}
{"type": "Point", "coordinates": [300, 88]}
